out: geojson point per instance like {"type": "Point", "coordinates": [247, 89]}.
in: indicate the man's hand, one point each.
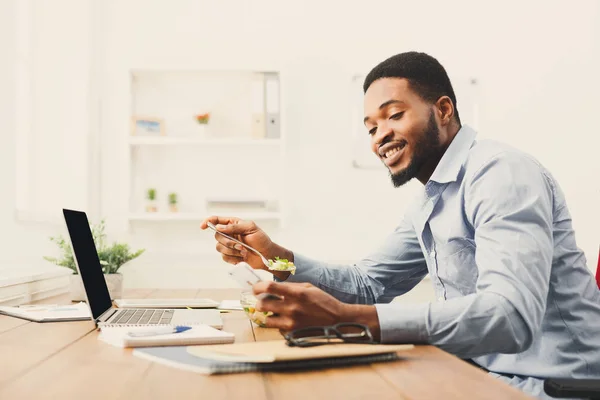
{"type": "Point", "coordinates": [246, 232]}
{"type": "Point", "coordinates": [302, 305]}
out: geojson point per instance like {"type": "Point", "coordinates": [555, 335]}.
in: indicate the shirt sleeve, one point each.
{"type": "Point", "coordinates": [508, 202]}
{"type": "Point", "coordinates": [395, 268]}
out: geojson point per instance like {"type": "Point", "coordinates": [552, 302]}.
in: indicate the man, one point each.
{"type": "Point", "coordinates": [491, 228]}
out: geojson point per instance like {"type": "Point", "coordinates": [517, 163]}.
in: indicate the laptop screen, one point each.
{"type": "Point", "coordinates": [87, 261]}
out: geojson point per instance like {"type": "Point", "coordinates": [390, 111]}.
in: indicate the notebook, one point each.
{"type": "Point", "coordinates": [179, 357]}
{"type": "Point", "coordinates": [49, 312]}
{"type": "Point", "coordinates": [198, 334]}
{"type": "Point", "coordinates": [271, 351]}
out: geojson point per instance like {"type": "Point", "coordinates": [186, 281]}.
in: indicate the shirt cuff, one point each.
{"type": "Point", "coordinates": [401, 323]}
{"type": "Point", "coordinates": [306, 271]}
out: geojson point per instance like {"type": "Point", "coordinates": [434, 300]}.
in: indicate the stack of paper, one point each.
{"type": "Point", "coordinates": [25, 283]}
{"type": "Point", "coordinates": [198, 334]}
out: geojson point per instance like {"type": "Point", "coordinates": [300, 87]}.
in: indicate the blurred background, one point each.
{"type": "Point", "coordinates": [152, 115]}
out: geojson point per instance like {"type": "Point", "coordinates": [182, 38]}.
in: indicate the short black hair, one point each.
{"type": "Point", "coordinates": [426, 76]}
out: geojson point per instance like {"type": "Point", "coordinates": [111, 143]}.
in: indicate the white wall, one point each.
{"type": "Point", "coordinates": [537, 63]}
{"type": "Point", "coordinates": [58, 55]}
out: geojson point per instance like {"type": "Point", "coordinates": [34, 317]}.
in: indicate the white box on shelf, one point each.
{"type": "Point", "coordinates": [239, 203]}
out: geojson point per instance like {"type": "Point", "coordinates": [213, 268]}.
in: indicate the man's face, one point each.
{"type": "Point", "coordinates": [403, 128]}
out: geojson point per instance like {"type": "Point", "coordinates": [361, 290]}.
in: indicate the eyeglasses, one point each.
{"type": "Point", "coordinates": [344, 332]}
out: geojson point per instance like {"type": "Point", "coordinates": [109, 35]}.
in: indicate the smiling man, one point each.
{"type": "Point", "coordinates": [491, 228]}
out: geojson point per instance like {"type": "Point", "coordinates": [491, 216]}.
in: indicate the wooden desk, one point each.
{"type": "Point", "coordinates": [66, 361]}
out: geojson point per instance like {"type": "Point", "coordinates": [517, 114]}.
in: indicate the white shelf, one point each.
{"type": "Point", "coordinates": [184, 141]}
{"type": "Point", "coordinates": [183, 159]}
{"type": "Point", "coordinates": [183, 216]}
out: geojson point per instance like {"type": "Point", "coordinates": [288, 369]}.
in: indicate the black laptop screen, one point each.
{"type": "Point", "coordinates": [88, 262]}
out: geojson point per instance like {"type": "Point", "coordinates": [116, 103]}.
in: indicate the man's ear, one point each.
{"type": "Point", "coordinates": [445, 110]}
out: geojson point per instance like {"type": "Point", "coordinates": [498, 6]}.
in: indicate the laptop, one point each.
{"type": "Point", "coordinates": [167, 303]}
{"type": "Point", "coordinates": [98, 297]}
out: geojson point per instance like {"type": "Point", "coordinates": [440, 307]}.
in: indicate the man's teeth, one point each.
{"type": "Point", "coordinates": [391, 152]}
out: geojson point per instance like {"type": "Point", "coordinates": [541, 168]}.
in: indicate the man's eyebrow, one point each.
{"type": "Point", "coordinates": [385, 104]}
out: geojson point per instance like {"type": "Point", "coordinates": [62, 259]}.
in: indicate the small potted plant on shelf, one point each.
{"type": "Point", "coordinates": [173, 202]}
{"type": "Point", "coordinates": [112, 258]}
{"type": "Point", "coordinates": [202, 120]}
{"type": "Point", "coordinates": [151, 196]}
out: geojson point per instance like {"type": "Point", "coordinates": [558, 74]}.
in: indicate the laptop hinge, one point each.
{"type": "Point", "coordinates": [105, 316]}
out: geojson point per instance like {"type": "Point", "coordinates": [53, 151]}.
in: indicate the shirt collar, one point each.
{"type": "Point", "coordinates": [455, 156]}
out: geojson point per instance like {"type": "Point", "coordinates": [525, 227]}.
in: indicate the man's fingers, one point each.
{"type": "Point", "coordinates": [239, 227]}
{"type": "Point", "coordinates": [290, 289]}
{"type": "Point", "coordinates": [228, 251]}
{"type": "Point", "coordinates": [217, 220]}
{"type": "Point", "coordinates": [277, 306]}
{"type": "Point", "coordinates": [279, 322]}
{"type": "Point", "coordinates": [228, 243]}
{"type": "Point", "coordinates": [269, 287]}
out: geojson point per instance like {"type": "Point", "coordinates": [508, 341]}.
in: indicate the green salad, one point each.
{"type": "Point", "coordinates": [258, 317]}
{"type": "Point", "coordinates": [281, 264]}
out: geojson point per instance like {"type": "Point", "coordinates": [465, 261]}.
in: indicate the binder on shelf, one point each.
{"type": "Point", "coordinates": [272, 106]}
{"type": "Point", "coordinates": [258, 107]}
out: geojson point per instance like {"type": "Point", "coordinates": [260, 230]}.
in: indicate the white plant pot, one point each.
{"type": "Point", "coordinates": [113, 281]}
{"type": "Point", "coordinates": [151, 206]}
{"type": "Point", "coordinates": [202, 130]}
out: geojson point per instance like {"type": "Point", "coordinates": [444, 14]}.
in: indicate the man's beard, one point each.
{"type": "Point", "coordinates": [424, 149]}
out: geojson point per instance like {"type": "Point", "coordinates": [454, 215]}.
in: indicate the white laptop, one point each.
{"type": "Point", "coordinates": [102, 310]}
{"type": "Point", "coordinates": [167, 303]}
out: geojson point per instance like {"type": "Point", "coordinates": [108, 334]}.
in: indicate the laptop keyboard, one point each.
{"type": "Point", "coordinates": [143, 317]}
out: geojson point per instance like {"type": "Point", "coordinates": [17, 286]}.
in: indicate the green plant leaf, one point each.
{"type": "Point", "coordinates": [111, 257]}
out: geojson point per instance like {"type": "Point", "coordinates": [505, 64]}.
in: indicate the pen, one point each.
{"type": "Point", "coordinates": [167, 331]}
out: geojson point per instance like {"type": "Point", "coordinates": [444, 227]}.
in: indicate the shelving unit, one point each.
{"type": "Point", "coordinates": [183, 141]}
{"type": "Point", "coordinates": [239, 154]}
{"type": "Point", "coordinates": [187, 216]}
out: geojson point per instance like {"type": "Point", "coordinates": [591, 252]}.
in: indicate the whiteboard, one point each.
{"type": "Point", "coordinates": [467, 98]}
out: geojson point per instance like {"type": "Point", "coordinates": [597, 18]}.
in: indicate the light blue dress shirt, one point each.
{"type": "Point", "coordinates": [492, 230]}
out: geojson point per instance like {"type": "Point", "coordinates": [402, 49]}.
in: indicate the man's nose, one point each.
{"type": "Point", "coordinates": [383, 135]}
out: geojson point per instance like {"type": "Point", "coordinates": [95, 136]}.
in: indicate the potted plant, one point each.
{"type": "Point", "coordinates": [151, 196]}
{"type": "Point", "coordinates": [173, 202]}
{"type": "Point", "coordinates": [112, 258]}
{"type": "Point", "coordinates": [202, 120]}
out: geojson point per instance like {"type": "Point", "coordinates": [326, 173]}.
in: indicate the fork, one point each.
{"type": "Point", "coordinates": [264, 260]}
